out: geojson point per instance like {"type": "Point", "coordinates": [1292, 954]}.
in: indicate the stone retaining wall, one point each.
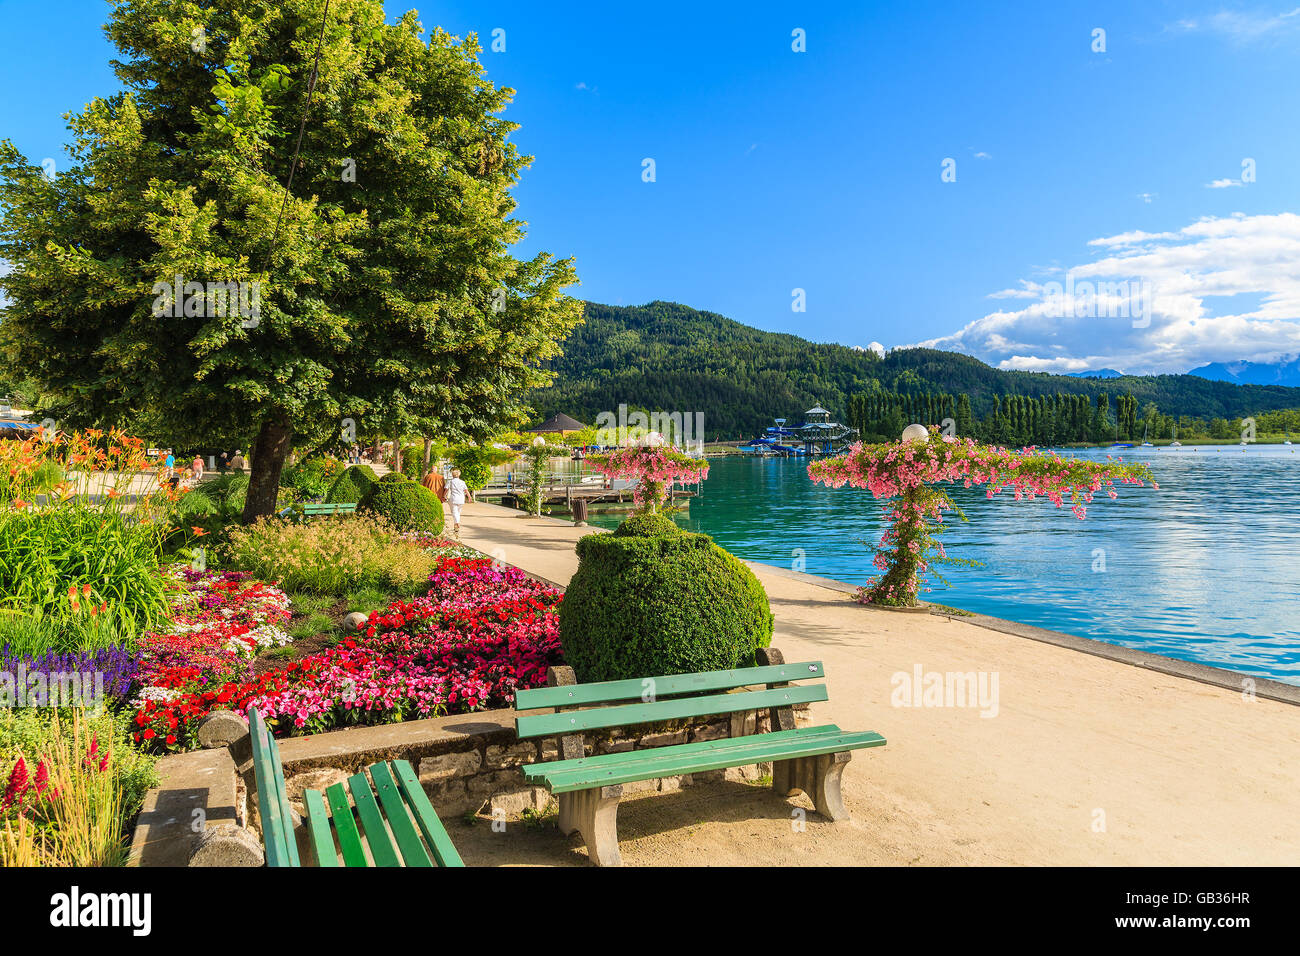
{"type": "Point", "coordinates": [470, 763]}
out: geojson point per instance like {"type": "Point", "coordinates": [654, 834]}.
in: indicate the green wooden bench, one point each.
{"type": "Point", "coordinates": [391, 825]}
{"type": "Point", "coordinates": [315, 508]}
{"type": "Point", "coordinates": [588, 789]}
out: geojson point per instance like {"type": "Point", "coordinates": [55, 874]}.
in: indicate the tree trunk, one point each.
{"type": "Point", "coordinates": [397, 454]}
{"type": "Point", "coordinates": [428, 453]}
{"type": "Point", "coordinates": [269, 452]}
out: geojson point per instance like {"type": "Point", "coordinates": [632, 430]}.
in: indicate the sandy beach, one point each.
{"type": "Point", "coordinates": [1078, 759]}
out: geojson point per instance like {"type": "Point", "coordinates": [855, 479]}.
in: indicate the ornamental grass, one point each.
{"type": "Point", "coordinates": [71, 785]}
{"type": "Point", "coordinates": [332, 555]}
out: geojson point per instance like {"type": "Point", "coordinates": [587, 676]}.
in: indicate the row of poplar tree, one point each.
{"type": "Point", "coordinates": [1020, 420]}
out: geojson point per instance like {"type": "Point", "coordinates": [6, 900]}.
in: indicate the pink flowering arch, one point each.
{"type": "Point", "coordinates": [906, 473]}
{"type": "Point", "coordinates": [654, 467]}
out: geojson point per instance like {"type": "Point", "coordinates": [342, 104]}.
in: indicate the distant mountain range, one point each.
{"type": "Point", "coordinates": [664, 356]}
{"type": "Point", "coordinates": [1099, 373]}
{"type": "Point", "coordinates": [1282, 372]}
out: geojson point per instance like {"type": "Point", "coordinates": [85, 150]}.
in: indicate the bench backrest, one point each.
{"type": "Point", "coordinates": [272, 801]}
{"type": "Point", "coordinates": [328, 508]}
{"type": "Point", "coordinates": [623, 703]}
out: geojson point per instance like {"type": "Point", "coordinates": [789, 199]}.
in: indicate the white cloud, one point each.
{"type": "Point", "coordinates": [877, 348]}
{"type": "Point", "coordinates": [1223, 183]}
{"type": "Point", "coordinates": [1244, 27]}
{"type": "Point", "coordinates": [1073, 322]}
{"type": "Point", "coordinates": [982, 155]}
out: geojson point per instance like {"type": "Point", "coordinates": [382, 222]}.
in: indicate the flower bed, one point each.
{"type": "Point", "coordinates": [477, 635]}
{"type": "Point", "coordinates": [221, 621]}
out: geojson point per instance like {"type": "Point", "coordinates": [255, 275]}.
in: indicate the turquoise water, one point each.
{"type": "Point", "coordinates": [1206, 569]}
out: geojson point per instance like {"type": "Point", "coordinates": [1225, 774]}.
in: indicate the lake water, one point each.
{"type": "Point", "coordinates": [1206, 569]}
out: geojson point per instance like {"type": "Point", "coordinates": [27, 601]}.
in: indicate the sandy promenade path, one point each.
{"type": "Point", "coordinates": [1086, 761]}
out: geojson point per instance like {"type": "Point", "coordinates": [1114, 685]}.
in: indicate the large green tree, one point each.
{"type": "Point", "coordinates": [375, 270]}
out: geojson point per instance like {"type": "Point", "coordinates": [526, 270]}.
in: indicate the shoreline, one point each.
{"type": "Point", "coordinates": [1211, 674]}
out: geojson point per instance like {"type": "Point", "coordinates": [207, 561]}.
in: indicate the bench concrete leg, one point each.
{"type": "Point", "coordinates": [594, 814]}
{"type": "Point", "coordinates": [819, 777]}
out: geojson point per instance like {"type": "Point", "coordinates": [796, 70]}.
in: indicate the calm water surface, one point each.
{"type": "Point", "coordinates": [1206, 569]}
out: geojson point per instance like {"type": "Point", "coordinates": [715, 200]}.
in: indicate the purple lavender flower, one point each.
{"type": "Point", "coordinates": [117, 664]}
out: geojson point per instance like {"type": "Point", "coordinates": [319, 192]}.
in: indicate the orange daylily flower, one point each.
{"type": "Point", "coordinates": [198, 532]}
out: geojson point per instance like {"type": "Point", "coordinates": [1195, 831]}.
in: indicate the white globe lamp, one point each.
{"type": "Point", "coordinates": [916, 433]}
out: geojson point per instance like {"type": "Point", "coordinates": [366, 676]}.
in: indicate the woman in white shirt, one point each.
{"type": "Point", "coordinates": [457, 492]}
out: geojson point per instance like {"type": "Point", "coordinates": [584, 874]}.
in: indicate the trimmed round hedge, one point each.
{"type": "Point", "coordinates": [407, 504]}
{"type": "Point", "coordinates": [648, 526]}
{"type": "Point", "coordinates": [674, 603]}
{"type": "Point", "coordinates": [351, 486]}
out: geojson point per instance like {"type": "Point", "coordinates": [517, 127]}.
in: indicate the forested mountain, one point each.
{"type": "Point", "coordinates": [664, 356]}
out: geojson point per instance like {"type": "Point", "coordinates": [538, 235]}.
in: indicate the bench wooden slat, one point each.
{"type": "Point", "coordinates": [280, 847]}
{"type": "Point", "coordinates": [635, 688]}
{"type": "Point", "coordinates": [576, 721]}
{"type": "Point", "coordinates": [318, 826]}
{"type": "Point", "coordinates": [425, 815]}
{"type": "Point", "coordinates": [408, 841]}
{"type": "Point", "coordinates": [699, 748]}
{"type": "Point", "coordinates": [372, 821]}
{"type": "Point", "coordinates": [669, 762]}
{"type": "Point", "coordinates": [282, 801]}
{"type": "Point", "coordinates": [346, 827]}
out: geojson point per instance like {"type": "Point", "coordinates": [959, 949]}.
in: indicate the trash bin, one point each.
{"type": "Point", "coordinates": [580, 511]}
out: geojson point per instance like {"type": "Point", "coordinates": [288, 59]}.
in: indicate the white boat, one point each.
{"type": "Point", "coordinates": [1145, 443]}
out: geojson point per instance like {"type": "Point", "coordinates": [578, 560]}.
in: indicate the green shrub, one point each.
{"type": "Point", "coordinates": [648, 526]}
{"type": "Point", "coordinates": [412, 459]}
{"type": "Point", "coordinates": [310, 478]}
{"type": "Point", "coordinates": [351, 486]}
{"type": "Point", "coordinates": [643, 606]}
{"type": "Point", "coordinates": [407, 505]}
{"type": "Point", "coordinates": [473, 464]}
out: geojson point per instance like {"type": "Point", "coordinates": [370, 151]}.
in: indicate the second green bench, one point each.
{"type": "Point", "coordinates": [588, 788]}
{"type": "Point", "coordinates": [317, 508]}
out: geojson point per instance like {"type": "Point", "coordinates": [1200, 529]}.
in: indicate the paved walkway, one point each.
{"type": "Point", "coordinates": [1083, 761]}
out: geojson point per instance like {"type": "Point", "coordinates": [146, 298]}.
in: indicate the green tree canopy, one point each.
{"type": "Point", "coordinates": [379, 280]}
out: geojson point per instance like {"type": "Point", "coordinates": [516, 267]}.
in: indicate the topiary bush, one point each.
{"type": "Point", "coordinates": [351, 486]}
{"type": "Point", "coordinates": [408, 505]}
{"type": "Point", "coordinates": [648, 526]}
{"type": "Point", "coordinates": [647, 601]}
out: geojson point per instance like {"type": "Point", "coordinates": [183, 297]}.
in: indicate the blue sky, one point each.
{"type": "Point", "coordinates": [778, 170]}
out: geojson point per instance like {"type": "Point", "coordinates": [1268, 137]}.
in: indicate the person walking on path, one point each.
{"type": "Point", "coordinates": [435, 482]}
{"type": "Point", "coordinates": [196, 467]}
{"type": "Point", "coordinates": [457, 492]}
{"type": "Point", "coordinates": [223, 462]}
{"type": "Point", "coordinates": [237, 463]}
